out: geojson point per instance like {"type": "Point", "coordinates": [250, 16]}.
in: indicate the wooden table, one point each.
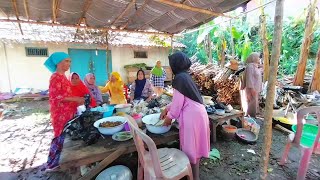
{"type": "Point", "coordinates": [215, 120]}
{"type": "Point", "coordinates": [76, 153]}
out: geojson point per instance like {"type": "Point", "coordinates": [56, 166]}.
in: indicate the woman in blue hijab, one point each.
{"type": "Point", "coordinates": [63, 105]}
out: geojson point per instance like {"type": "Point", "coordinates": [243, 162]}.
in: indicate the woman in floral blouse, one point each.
{"type": "Point", "coordinates": [62, 104]}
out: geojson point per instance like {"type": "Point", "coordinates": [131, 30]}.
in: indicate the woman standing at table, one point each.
{"type": "Point", "coordinates": [251, 85]}
{"type": "Point", "coordinates": [90, 82]}
{"type": "Point", "coordinates": [187, 107]}
{"type": "Point", "coordinates": [63, 104]}
{"type": "Point", "coordinates": [115, 89]}
{"type": "Point", "coordinates": [158, 75]}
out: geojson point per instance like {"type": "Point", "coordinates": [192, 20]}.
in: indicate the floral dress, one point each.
{"type": "Point", "coordinates": [61, 111]}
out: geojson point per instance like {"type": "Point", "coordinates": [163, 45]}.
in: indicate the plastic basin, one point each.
{"type": "Point", "coordinates": [106, 110]}
{"type": "Point", "coordinates": [110, 130]}
{"type": "Point", "coordinates": [151, 119]}
{"type": "Point", "coordinates": [309, 133]}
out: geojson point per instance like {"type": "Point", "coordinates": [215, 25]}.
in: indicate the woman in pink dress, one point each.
{"type": "Point", "coordinates": [251, 85]}
{"type": "Point", "coordinates": [187, 107]}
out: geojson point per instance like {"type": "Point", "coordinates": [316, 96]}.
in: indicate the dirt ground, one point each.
{"type": "Point", "coordinates": [26, 134]}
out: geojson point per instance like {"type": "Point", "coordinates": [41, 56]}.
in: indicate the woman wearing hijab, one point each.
{"type": "Point", "coordinates": [90, 82]}
{"type": "Point", "coordinates": [79, 89]}
{"type": "Point", "coordinates": [187, 107]}
{"type": "Point", "coordinates": [63, 104]}
{"type": "Point", "coordinates": [141, 88]}
{"type": "Point", "coordinates": [115, 88]}
{"type": "Point", "coordinates": [251, 85]}
{"type": "Point", "coordinates": [158, 75]}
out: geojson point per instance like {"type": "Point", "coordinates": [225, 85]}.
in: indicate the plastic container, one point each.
{"type": "Point", "coordinates": [106, 110]}
{"type": "Point", "coordinates": [123, 108]}
{"type": "Point", "coordinates": [309, 133]}
{"type": "Point", "coordinates": [118, 172]}
{"type": "Point", "coordinates": [152, 119]}
{"type": "Point", "coordinates": [110, 130]}
{"type": "Point", "coordinates": [136, 117]}
{"type": "Point", "coordinates": [228, 132]}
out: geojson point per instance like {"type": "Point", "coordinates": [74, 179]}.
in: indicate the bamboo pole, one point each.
{"type": "Point", "coordinates": [124, 12]}
{"type": "Point", "coordinates": [305, 47]}
{"type": "Point", "coordinates": [191, 8]}
{"type": "Point", "coordinates": [275, 55]}
{"type": "Point", "coordinates": [82, 27]}
{"type": "Point", "coordinates": [315, 82]}
{"type": "Point", "coordinates": [137, 13]}
{"type": "Point", "coordinates": [14, 4]}
{"type": "Point", "coordinates": [263, 35]}
{"type": "Point", "coordinates": [26, 8]}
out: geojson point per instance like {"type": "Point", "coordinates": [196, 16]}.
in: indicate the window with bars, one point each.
{"type": "Point", "coordinates": [140, 54]}
{"type": "Point", "coordinates": [36, 52]}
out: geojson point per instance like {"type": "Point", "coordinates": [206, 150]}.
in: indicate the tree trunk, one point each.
{"type": "Point", "coordinates": [315, 82]}
{"type": "Point", "coordinates": [276, 45]}
{"type": "Point", "coordinates": [263, 35]}
{"type": "Point", "coordinates": [305, 47]}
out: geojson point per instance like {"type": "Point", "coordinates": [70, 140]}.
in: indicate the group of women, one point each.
{"type": "Point", "coordinates": [186, 106]}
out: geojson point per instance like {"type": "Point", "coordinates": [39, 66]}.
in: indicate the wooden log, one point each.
{"type": "Point", "coordinates": [305, 47]}
{"type": "Point", "coordinates": [263, 35]}
{"type": "Point", "coordinates": [275, 55]}
{"type": "Point", "coordinates": [315, 82]}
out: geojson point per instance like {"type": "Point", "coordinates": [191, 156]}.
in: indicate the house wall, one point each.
{"type": "Point", "coordinates": [29, 71]}
{"type": "Point", "coordinates": [122, 56]}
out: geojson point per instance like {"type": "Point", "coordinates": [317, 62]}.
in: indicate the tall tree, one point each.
{"type": "Point", "coordinates": [275, 55]}
{"type": "Point", "coordinates": [305, 47]}
{"type": "Point", "coordinates": [315, 82]}
{"type": "Point", "coordinates": [263, 35]}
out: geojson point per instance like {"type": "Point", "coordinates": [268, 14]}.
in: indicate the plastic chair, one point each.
{"type": "Point", "coordinates": [164, 163]}
{"type": "Point", "coordinates": [294, 139]}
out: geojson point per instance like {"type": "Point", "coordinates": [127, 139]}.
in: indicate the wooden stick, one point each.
{"type": "Point", "coordinates": [283, 129]}
{"type": "Point", "coordinates": [124, 12]}
{"type": "Point", "coordinates": [191, 8]}
{"type": "Point", "coordinates": [54, 17]}
{"type": "Point", "coordinates": [104, 163]}
{"type": "Point", "coordinates": [305, 47]}
{"type": "Point", "coordinates": [275, 56]}
{"type": "Point", "coordinates": [135, 14]}
{"type": "Point", "coordinates": [14, 4]}
{"type": "Point", "coordinates": [26, 8]}
{"type": "Point", "coordinates": [263, 35]}
{"type": "Point", "coordinates": [315, 82]}
{"type": "Point", "coordinates": [81, 27]}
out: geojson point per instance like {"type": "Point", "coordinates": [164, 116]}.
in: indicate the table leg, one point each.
{"type": "Point", "coordinates": [104, 163]}
{"type": "Point", "coordinates": [214, 132]}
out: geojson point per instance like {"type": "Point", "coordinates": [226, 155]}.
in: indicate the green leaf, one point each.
{"type": "Point", "coordinates": [236, 34]}
{"type": "Point", "coordinates": [214, 154]}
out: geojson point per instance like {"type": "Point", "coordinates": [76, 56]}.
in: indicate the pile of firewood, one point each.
{"type": "Point", "coordinates": [228, 90]}
{"type": "Point", "coordinates": [204, 75]}
{"type": "Point", "coordinates": [215, 81]}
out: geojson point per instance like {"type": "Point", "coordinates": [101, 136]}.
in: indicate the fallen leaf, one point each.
{"type": "Point", "coordinates": [270, 169]}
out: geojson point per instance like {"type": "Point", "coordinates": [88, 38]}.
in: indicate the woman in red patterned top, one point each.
{"type": "Point", "coordinates": [79, 89]}
{"type": "Point", "coordinates": [63, 105]}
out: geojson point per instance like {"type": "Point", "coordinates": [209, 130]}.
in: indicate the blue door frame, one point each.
{"type": "Point", "coordinates": [94, 61]}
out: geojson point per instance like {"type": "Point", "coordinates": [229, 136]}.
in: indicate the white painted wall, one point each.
{"type": "Point", "coordinates": [29, 71]}
{"type": "Point", "coordinates": [122, 56]}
